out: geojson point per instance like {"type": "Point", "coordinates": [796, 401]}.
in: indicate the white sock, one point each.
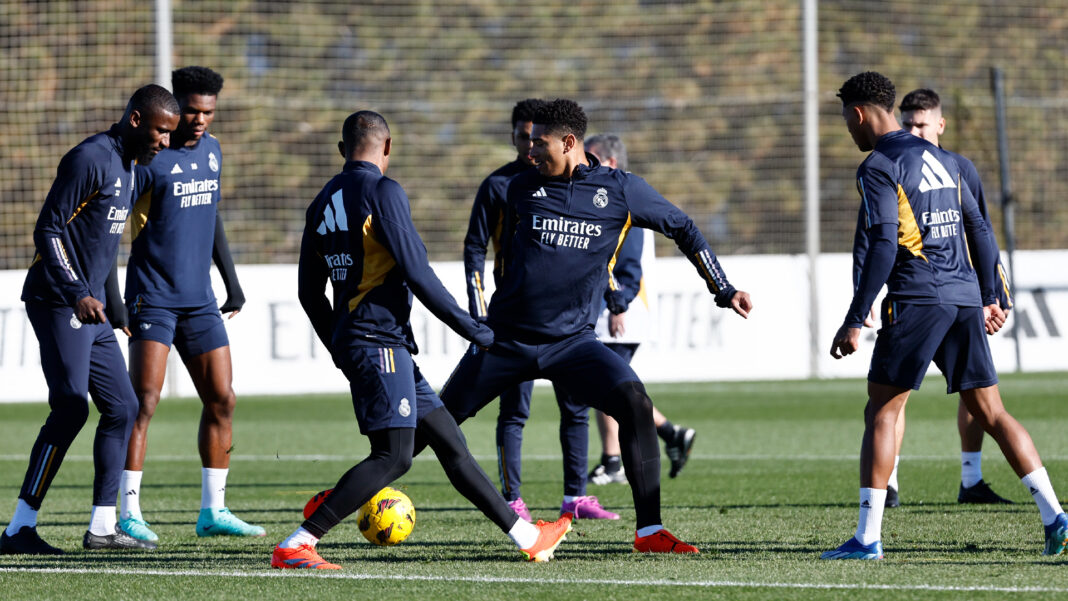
{"type": "Point", "coordinates": [892, 482]}
{"type": "Point", "coordinates": [213, 487]}
{"type": "Point", "coordinates": [523, 534]}
{"type": "Point", "coordinates": [647, 530]}
{"type": "Point", "coordinates": [130, 494]}
{"type": "Point", "coordinates": [870, 524]}
{"type": "Point", "coordinates": [299, 537]}
{"type": "Point", "coordinates": [102, 520]}
{"type": "Point", "coordinates": [971, 469]}
{"type": "Point", "coordinates": [569, 498]}
{"type": "Point", "coordinates": [1037, 482]}
{"type": "Point", "coordinates": [24, 516]}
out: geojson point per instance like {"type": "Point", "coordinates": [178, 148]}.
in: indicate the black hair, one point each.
{"type": "Point", "coordinates": [196, 80]}
{"type": "Point", "coordinates": [524, 110]}
{"type": "Point", "coordinates": [923, 99]}
{"type": "Point", "coordinates": [152, 98]}
{"type": "Point", "coordinates": [562, 116]}
{"type": "Point", "coordinates": [868, 87]}
{"type": "Point", "coordinates": [362, 128]}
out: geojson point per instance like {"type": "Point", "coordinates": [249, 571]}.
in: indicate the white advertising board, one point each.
{"type": "Point", "coordinates": [276, 352]}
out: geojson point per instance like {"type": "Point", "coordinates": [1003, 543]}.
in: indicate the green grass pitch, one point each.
{"type": "Point", "coordinates": [771, 483]}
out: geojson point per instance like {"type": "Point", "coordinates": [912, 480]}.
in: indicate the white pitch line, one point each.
{"type": "Point", "coordinates": [541, 581]}
{"type": "Point", "coordinates": [529, 457]}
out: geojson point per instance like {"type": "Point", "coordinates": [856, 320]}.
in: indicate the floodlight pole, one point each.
{"type": "Point", "coordinates": [812, 177]}
{"type": "Point", "coordinates": [164, 64]}
{"type": "Point", "coordinates": [1008, 203]}
{"type": "Point", "coordinates": [164, 43]}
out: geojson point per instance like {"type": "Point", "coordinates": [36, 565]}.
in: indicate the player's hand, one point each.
{"type": "Point", "coordinates": [869, 321]}
{"type": "Point", "coordinates": [846, 342]}
{"type": "Point", "coordinates": [614, 300]}
{"type": "Point", "coordinates": [483, 337]}
{"type": "Point", "coordinates": [126, 330]}
{"type": "Point", "coordinates": [993, 318]}
{"type": "Point", "coordinates": [232, 306]}
{"type": "Point", "coordinates": [741, 303]}
{"type": "Point", "coordinates": [615, 325]}
{"type": "Point", "coordinates": [90, 310]}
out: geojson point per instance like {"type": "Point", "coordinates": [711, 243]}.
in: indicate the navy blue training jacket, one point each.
{"type": "Point", "coordinates": [359, 235]}
{"type": "Point", "coordinates": [81, 223]}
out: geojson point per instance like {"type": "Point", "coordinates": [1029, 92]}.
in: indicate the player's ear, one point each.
{"type": "Point", "coordinates": [386, 147]}
{"type": "Point", "coordinates": [569, 142]}
{"type": "Point", "coordinates": [858, 111]}
{"type": "Point", "coordinates": [341, 149]}
{"type": "Point", "coordinates": [135, 118]}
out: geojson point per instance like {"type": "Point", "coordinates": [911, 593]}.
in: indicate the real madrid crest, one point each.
{"type": "Point", "coordinates": [213, 163]}
{"type": "Point", "coordinates": [75, 322]}
{"type": "Point", "coordinates": [600, 199]}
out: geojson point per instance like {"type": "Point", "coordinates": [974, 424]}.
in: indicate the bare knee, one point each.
{"type": "Point", "coordinates": [220, 406]}
{"type": "Point", "coordinates": [147, 401]}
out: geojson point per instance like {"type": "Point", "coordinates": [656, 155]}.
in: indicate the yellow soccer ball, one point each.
{"type": "Point", "coordinates": [388, 518]}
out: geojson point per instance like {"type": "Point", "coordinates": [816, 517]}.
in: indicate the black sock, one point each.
{"type": "Point", "coordinates": [611, 463]}
{"type": "Point", "coordinates": [666, 431]}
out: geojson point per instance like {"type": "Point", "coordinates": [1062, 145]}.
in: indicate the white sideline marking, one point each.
{"type": "Point", "coordinates": [531, 457]}
{"type": "Point", "coordinates": [542, 581]}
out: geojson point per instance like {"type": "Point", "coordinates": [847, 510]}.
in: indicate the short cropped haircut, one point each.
{"type": "Point", "coordinates": [153, 98]}
{"type": "Point", "coordinates": [196, 80]}
{"type": "Point", "coordinates": [608, 146]}
{"type": "Point", "coordinates": [923, 99]}
{"type": "Point", "coordinates": [868, 87]}
{"type": "Point", "coordinates": [363, 128]}
{"type": "Point", "coordinates": [524, 110]}
{"type": "Point", "coordinates": [562, 117]}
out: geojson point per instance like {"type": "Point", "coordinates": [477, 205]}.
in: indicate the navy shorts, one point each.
{"type": "Point", "coordinates": [580, 365]}
{"type": "Point", "coordinates": [388, 391]}
{"type": "Point", "coordinates": [913, 335]}
{"type": "Point", "coordinates": [192, 331]}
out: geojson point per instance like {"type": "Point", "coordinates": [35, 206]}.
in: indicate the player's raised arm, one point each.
{"type": "Point", "coordinates": [651, 210]}
{"type": "Point", "coordinates": [402, 241]}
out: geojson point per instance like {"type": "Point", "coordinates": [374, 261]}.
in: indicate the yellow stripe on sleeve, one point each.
{"type": "Point", "coordinates": [612, 284]}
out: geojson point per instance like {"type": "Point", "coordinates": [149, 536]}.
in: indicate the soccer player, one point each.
{"type": "Point", "coordinates": [359, 235]}
{"type": "Point", "coordinates": [921, 115]}
{"type": "Point", "coordinates": [487, 223]}
{"type": "Point", "coordinates": [170, 301]}
{"type": "Point", "coordinates": [569, 217]}
{"type": "Point", "coordinates": [484, 228]}
{"type": "Point", "coordinates": [917, 221]}
{"type": "Point", "coordinates": [623, 335]}
{"type": "Point", "coordinates": [77, 239]}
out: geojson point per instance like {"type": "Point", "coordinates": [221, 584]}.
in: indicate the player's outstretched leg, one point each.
{"type": "Point", "coordinates": [633, 410]}
{"type": "Point", "coordinates": [1016, 444]}
{"type": "Point", "coordinates": [538, 541]}
{"type": "Point", "coordinates": [390, 458]}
